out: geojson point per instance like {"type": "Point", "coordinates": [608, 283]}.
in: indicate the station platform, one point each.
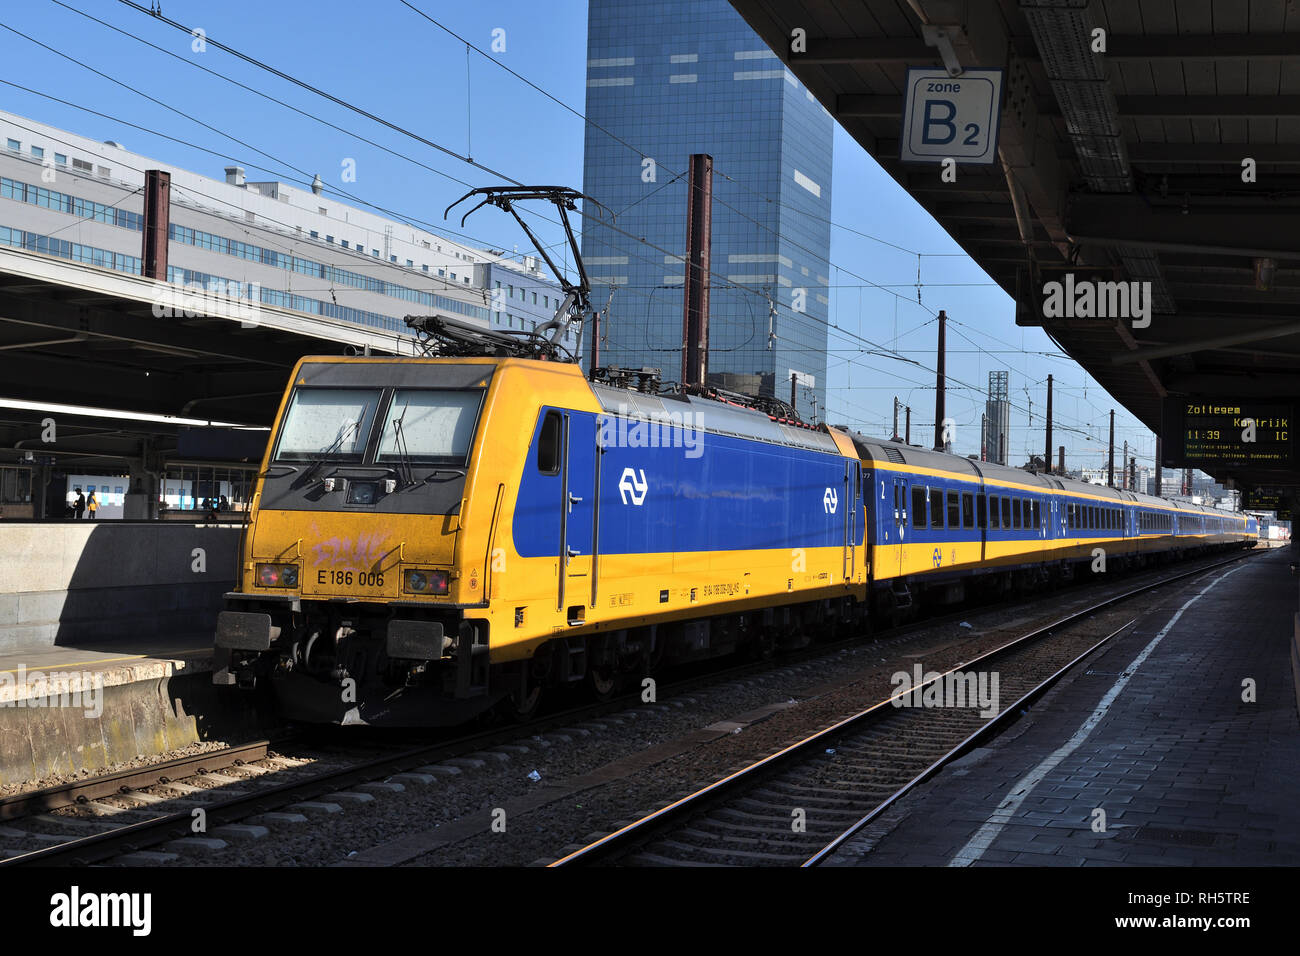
{"type": "Point", "coordinates": [1152, 731]}
{"type": "Point", "coordinates": [65, 710]}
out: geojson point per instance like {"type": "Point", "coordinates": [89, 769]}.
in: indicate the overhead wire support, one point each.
{"type": "Point", "coordinates": [576, 306]}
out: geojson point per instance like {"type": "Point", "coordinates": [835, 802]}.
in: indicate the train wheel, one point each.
{"type": "Point", "coordinates": [602, 682]}
{"type": "Point", "coordinates": [523, 708]}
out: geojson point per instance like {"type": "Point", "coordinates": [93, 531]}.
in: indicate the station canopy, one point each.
{"type": "Point", "coordinates": [1172, 158]}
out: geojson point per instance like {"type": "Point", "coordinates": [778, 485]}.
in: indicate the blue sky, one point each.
{"type": "Point", "coordinates": [384, 57]}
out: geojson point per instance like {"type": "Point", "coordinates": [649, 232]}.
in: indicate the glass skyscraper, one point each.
{"type": "Point", "coordinates": [689, 76]}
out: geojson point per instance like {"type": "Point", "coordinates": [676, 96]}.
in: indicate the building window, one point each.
{"type": "Point", "coordinates": [38, 153]}
{"type": "Point", "coordinates": [14, 145]}
{"type": "Point", "coordinates": [375, 253]}
{"type": "Point", "coordinates": [392, 258]}
{"type": "Point", "coordinates": [322, 210]}
{"type": "Point", "coordinates": [345, 243]}
{"type": "Point", "coordinates": [512, 291]}
{"type": "Point", "coordinates": [61, 159]}
{"type": "Point", "coordinates": [81, 166]}
{"type": "Point", "coordinates": [315, 234]}
{"type": "Point", "coordinates": [329, 239]}
{"type": "Point", "coordinates": [105, 172]}
{"type": "Point", "coordinates": [425, 267]}
{"type": "Point", "coordinates": [410, 264]}
{"type": "Point", "coordinates": [442, 272]}
{"type": "Point", "coordinates": [534, 298]}
{"type": "Point", "coordinates": [453, 275]}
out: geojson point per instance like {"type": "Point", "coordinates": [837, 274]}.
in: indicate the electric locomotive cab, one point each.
{"type": "Point", "coordinates": [350, 594]}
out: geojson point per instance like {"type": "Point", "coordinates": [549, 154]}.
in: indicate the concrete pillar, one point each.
{"type": "Point", "coordinates": [140, 503]}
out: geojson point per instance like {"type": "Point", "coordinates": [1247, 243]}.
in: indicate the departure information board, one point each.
{"type": "Point", "coordinates": [1201, 432]}
{"type": "Point", "coordinates": [1261, 499]}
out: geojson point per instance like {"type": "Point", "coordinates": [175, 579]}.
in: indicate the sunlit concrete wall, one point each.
{"type": "Point", "coordinates": [83, 582]}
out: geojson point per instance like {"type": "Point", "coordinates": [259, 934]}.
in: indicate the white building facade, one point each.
{"type": "Point", "coordinates": [69, 196]}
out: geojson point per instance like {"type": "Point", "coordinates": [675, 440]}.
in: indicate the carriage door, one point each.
{"type": "Point", "coordinates": [577, 511]}
{"type": "Point", "coordinates": [900, 522]}
{"type": "Point", "coordinates": [852, 491]}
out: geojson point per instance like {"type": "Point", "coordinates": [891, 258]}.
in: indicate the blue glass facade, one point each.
{"type": "Point", "coordinates": [690, 76]}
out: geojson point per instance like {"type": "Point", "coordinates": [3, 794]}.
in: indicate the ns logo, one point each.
{"type": "Point", "coordinates": [830, 501]}
{"type": "Point", "coordinates": [633, 485]}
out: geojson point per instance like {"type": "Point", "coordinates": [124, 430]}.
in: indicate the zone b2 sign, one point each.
{"type": "Point", "coordinates": [951, 117]}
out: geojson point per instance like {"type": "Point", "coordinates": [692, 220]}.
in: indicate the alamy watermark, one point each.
{"type": "Point", "coordinates": [1087, 299]}
{"type": "Point", "coordinates": [661, 430]}
{"type": "Point", "coordinates": [954, 689]}
{"type": "Point", "coordinates": [84, 689]}
{"type": "Point", "coordinates": [218, 299]}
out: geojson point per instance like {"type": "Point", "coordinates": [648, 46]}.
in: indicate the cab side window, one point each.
{"type": "Point", "coordinates": [548, 445]}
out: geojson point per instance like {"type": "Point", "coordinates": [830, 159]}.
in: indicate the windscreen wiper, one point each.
{"type": "Point", "coordinates": [321, 456]}
{"type": "Point", "coordinates": [403, 452]}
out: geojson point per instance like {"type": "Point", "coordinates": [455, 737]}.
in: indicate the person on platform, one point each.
{"type": "Point", "coordinates": [79, 506]}
{"type": "Point", "coordinates": [92, 505]}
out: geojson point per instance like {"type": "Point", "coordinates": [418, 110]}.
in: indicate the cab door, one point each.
{"type": "Point", "coordinates": [578, 465]}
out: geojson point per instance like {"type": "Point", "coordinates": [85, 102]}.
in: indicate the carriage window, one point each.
{"type": "Point", "coordinates": [1038, 514]}
{"type": "Point", "coordinates": [1015, 512]}
{"type": "Point", "coordinates": [954, 511]}
{"type": "Point", "coordinates": [1028, 512]}
{"type": "Point", "coordinates": [918, 508]}
{"type": "Point", "coordinates": [548, 445]}
{"type": "Point", "coordinates": [994, 519]}
{"type": "Point", "coordinates": [1006, 512]}
{"type": "Point", "coordinates": [981, 510]}
{"type": "Point", "coordinates": [967, 510]}
{"type": "Point", "coordinates": [936, 508]}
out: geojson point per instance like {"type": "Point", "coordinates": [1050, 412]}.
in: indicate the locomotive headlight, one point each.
{"type": "Point", "coordinates": [424, 581]}
{"type": "Point", "coordinates": [276, 575]}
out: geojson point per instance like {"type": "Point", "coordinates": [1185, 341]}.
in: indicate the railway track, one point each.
{"type": "Point", "coordinates": [267, 781]}
{"type": "Point", "coordinates": [796, 806]}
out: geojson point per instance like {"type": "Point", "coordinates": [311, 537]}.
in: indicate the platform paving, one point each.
{"type": "Point", "coordinates": [1186, 771]}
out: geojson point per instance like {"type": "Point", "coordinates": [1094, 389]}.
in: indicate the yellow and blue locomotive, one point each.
{"type": "Point", "coordinates": [431, 537]}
